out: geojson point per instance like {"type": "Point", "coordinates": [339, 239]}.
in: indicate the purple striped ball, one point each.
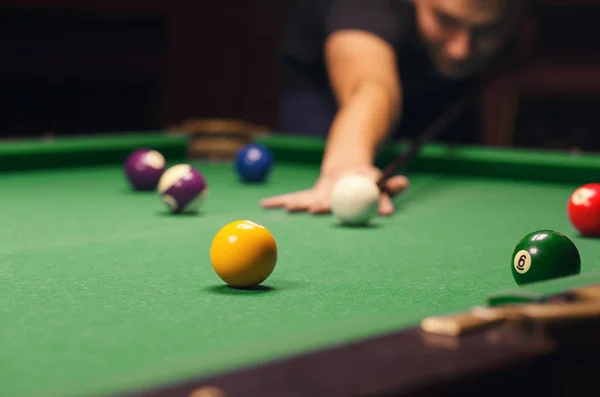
{"type": "Point", "coordinates": [182, 187]}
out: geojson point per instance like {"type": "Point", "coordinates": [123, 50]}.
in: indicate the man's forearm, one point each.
{"type": "Point", "coordinates": [360, 126]}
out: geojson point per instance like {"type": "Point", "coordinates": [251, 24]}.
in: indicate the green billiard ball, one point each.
{"type": "Point", "coordinates": [544, 255]}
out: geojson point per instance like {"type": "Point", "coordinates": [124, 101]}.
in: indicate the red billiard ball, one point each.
{"type": "Point", "coordinates": [584, 209]}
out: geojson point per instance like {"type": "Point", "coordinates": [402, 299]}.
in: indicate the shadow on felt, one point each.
{"type": "Point", "coordinates": [369, 225]}
{"type": "Point", "coordinates": [276, 286]}
{"type": "Point", "coordinates": [263, 182]}
{"type": "Point", "coordinates": [185, 214]}
{"type": "Point", "coordinates": [229, 290]}
{"type": "Point", "coordinates": [579, 236]}
{"type": "Point", "coordinates": [130, 191]}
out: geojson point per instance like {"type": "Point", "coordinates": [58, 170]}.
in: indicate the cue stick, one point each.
{"type": "Point", "coordinates": [430, 132]}
{"type": "Point", "coordinates": [585, 306]}
{"type": "Point", "coordinates": [482, 317]}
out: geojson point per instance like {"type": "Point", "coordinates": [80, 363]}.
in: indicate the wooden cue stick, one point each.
{"type": "Point", "coordinates": [458, 324]}
{"type": "Point", "coordinates": [430, 132]}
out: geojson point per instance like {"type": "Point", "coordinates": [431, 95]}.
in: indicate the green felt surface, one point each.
{"type": "Point", "coordinates": [102, 290]}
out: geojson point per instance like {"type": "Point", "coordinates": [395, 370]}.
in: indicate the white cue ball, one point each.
{"type": "Point", "coordinates": [355, 199]}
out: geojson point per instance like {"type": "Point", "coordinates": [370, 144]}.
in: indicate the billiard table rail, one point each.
{"type": "Point", "coordinates": [455, 160]}
{"type": "Point", "coordinates": [516, 349]}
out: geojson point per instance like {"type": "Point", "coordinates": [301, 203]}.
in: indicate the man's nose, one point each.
{"type": "Point", "coordinates": [459, 46]}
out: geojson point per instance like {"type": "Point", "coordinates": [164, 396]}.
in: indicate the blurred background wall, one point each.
{"type": "Point", "coordinates": [92, 66]}
{"type": "Point", "coordinates": [98, 65]}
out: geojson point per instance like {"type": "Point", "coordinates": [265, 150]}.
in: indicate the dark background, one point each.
{"type": "Point", "coordinates": [83, 67]}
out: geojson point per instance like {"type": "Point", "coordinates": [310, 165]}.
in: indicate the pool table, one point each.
{"type": "Point", "coordinates": [104, 292]}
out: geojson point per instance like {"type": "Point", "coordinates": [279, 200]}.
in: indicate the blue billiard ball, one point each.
{"type": "Point", "coordinates": [254, 162]}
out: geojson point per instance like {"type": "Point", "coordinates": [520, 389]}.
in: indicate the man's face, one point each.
{"type": "Point", "coordinates": [462, 36]}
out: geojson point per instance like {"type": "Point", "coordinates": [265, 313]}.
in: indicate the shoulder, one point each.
{"type": "Point", "coordinates": [391, 20]}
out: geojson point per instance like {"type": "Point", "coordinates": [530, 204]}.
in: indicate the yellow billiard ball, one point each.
{"type": "Point", "coordinates": [243, 254]}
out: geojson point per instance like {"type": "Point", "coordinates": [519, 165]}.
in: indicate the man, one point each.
{"type": "Point", "coordinates": [361, 71]}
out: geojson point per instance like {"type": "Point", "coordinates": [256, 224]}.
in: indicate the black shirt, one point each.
{"type": "Point", "coordinates": [425, 92]}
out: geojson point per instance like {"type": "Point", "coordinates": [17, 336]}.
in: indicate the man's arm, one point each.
{"type": "Point", "coordinates": [361, 63]}
{"type": "Point", "coordinates": [364, 77]}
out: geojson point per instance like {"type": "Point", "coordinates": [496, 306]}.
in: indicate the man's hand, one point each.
{"type": "Point", "coordinates": [316, 200]}
{"type": "Point", "coordinates": [362, 69]}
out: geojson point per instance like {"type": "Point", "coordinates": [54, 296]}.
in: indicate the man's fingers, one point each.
{"type": "Point", "coordinates": [317, 200]}
{"type": "Point", "coordinates": [280, 200]}
{"type": "Point", "coordinates": [396, 184]}
{"type": "Point", "coordinates": [298, 202]}
{"type": "Point", "coordinates": [274, 202]}
{"type": "Point", "coordinates": [386, 206]}
{"type": "Point", "coordinates": [320, 205]}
